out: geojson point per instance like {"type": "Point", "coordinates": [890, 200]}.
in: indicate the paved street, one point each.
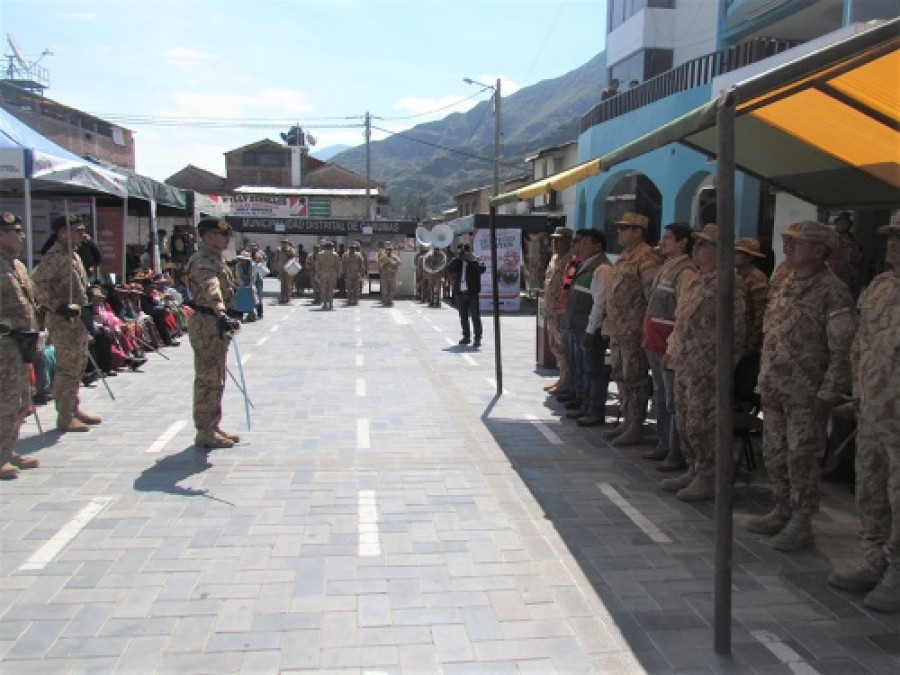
{"type": "Point", "coordinates": [388, 514]}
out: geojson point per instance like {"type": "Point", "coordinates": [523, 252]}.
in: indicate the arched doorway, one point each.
{"type": "Point", "coordinates": [630, 191]}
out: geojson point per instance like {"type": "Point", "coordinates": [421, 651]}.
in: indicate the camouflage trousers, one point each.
{"type": "Point", "coordinates": [16, 397]}
{"type": "Point", "coordinates": [878, 484]}
{"type": "Point", "coordinates": [555, 343]}
{"type": "Point", "coordinates": [210, 371]}
{"type": "Point", "coordinates": [695, 416]}
{"type": "Point", "coordinates": [70, 342]}
{"type": "Point", "coordinates": [388, 285]}
{"type": "Point", "coordinates": [286, 281]}
{"type": "Point", "coordinates": [327, 292]}
{"type": "Point", "coordinates": [792, 443]}
{"type": "Point", "coordinates": [354, 286]}
{"type": "Point", "coordinates": [629, 371]}
{"type": "Point", "coordinates": [317, 287]}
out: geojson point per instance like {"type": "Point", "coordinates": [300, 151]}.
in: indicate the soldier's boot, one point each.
{"type": "Point", "coordinates": [72, 425]}
{"type": "Point", "coordinates": [796, 535]}
{"type": "Point", "coordinates": [86, 418]}
{"type": "Point", "coordinates": [210, 440]}
{"type": "Point", "coordinates": [8, 470]}
{"type": "Point", "coordinates": [701, 488]}
{"type": "Point", "coordinates": [678, 482]}
{"type": "Point", "coordinates": [885, 597]}
{"type": "Point", "coordinates": [863, 577]}
{"type": "Point", "coordinates": [552, 387]}
{"type": "Point", "coordinates": [771, 523]}
{"type": "Point", "coordinates": [24, 462]}
{"type": "Point", "coordinates": [234, 438]}
{"type": "Point", "coordinates": [632, 435]}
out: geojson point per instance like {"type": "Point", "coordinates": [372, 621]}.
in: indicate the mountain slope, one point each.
{"type": "Point", "coordinates": [423, 173]}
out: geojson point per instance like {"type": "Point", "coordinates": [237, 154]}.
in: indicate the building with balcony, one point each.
{"type": "Point", "coordinates": [684, 54]}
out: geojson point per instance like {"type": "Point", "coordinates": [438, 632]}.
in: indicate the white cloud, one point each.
{"type": "Point", "coordinates": [186, 57]}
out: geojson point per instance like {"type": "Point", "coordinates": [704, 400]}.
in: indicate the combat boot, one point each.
{"type": "Point", "coordinates": [73, 425]}
{"type": "Point", "coordinates": [24, 462]}
{"type": "Point", "coordinates": [614, 432]}
{"type": "Point", "coordinates": [796, 535]}
{"type": "Point", "coordinates": [771, 523]}
{"type": "Point", "coordinates": [8, 471]}
{"type": "Point", "coordinates": [630, 436]}
{"type": "Point", "coordinates": [656, 454]}
{"type": "Point", "coordinates": [86, 418]}
{"type": "Point", "coordinates": [885, 597]}
{"type": "Point", "coordinates": [678, 482]}
{"type": "Point", "coordinates": [234, 438]}
{"type": "Point", "coordinates": [863, 577]}
{"type": "Point", "coordinates": [209, 439]}
{"type": "Point", "coordinates": [702, 488]}
{"type": "Point", "coordinates": [551, 388]}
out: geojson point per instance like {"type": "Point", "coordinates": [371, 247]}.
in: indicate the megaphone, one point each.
{"type": "Point", "coordinates": [423, 236]}
{"type": "Point", "coordinates": [442, 235]}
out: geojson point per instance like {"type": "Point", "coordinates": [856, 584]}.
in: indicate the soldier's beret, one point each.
{"type": "Point", "coordinates": [214, 225]}
{"type": "Point", "coordinates": [75, 222]}
{"type": "Point", "coordinates": [10, 222]}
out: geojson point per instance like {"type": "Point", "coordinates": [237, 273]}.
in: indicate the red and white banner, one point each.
{"type": "Point", "coordinates": [509, 267]}
{"type": "Point", "coordinates": [257, 206]}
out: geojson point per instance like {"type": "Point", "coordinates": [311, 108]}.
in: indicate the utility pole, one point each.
{"type": "Point", "coordinates": [497, 138]}
{"type": "Point", "coordinates": [369, 211]}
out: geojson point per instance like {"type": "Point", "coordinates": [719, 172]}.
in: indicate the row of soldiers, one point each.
{"type": "Point", "coordinates": [801, 349]}
{"type": "Point", "coordinates": [324, 268]}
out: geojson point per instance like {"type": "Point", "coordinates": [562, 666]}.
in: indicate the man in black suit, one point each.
{"type": "Point", "coordinates": [466, 271]}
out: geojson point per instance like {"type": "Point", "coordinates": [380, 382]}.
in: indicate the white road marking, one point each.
{"type": "Point", "coordinates": [784, 653]}
{"type": "Point", "coordinates": [369, 544]}
{"type": "Point", "coordinates": [285, 318]}
{"type": "Point", "coordinates": [275, 327]}
{"type": "Point", "coordinates": [359, 342]}
{"type": "Point", "coordinates": [167, 436]}
{"type": "Point", "coordinates": [398, 318]}
{"type": "Point", "coordinates": [358, 329]}
{"type": "Point", "coordinates": [493, 383]}
{"type": "Point", "coordinates": [362, 433]}
{"type": "Point", "coordinates": [438, 329]}
{"type": "Point", "coordinates": [70, 530]}
{"type": "Point", "coordinates": [450, 341]}
{"type": "Point", "coordinates": [468, 359]}
{"type": "Point", "coordinates": [633, 514]}
{"type": "Point", "coordinates": [245, 358]}
{"type": "Point", "coordinates": [360, 386]}
{"type": "Point", "coordinates": [262, 341]}
{"type": "Point", "coordinates": [360, 359]}
{"type": "Point", "coordinates": [545, 430]}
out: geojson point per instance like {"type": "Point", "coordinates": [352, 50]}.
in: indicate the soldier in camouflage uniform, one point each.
{"type": "Point", "coordinates": [550, 307]}
{"type": "Point", "coordinates": [314, 279]}
{"type": "Point", "coordinates": [17, 317]}
{"type": "Point", "coordinates": [691, 353]}
{"type": "Point", "coordinates": [746, 250]}
{"type": "Point", "coordinates": [212, 286]}
{"type": "Point", "coordinates": [805, 369]}
{"type": "Point", "coordinates": [353, 267]}
{"type": "Point", "coordinates": [388, 263]}
{"type": "Point", "coordinates": [60, 287]}
{"type": "Point", "coordinates": [876, 386]}
{"type": "Point", "coordinates": [328, 269]}
{"type": "Point", "coordinates": [282, 256]}
{"type": "Point", "coordinates": [626, 305]}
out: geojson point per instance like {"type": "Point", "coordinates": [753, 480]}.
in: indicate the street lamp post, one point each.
{"type": "Point", "coordinates": [495, 282]}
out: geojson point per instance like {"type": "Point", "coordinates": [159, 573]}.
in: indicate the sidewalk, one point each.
{"type": "Point", "coordinates": [388, 514]}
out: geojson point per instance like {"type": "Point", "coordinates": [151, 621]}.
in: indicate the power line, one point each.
{"type": "Point", "coordinates": [430, 112]}
{"type": "Point", "coordinates": [444, 147]}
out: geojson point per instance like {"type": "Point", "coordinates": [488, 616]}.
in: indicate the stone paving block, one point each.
{"type": "Point", "coordinates": [69, 648]}
{"type": "Point", "coordinates": [369, 658]}
{"type": "Point", "coordinates": [246, 641]}
{"type": "Point", "coordinates": [452, 643]}
{"type": "Point", "coordinates": [89, 620]}
{"type": "Point", "coordinates": [35, 640]}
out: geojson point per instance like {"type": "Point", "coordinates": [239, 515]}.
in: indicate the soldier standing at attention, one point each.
{"type": "Point", "coordinates": [315, 281]}
{"type": "Point", "coordinates": [353, 266]}
{"type": "Point", "coordinates": [553, 281]}
{"type": "Point", "coordinates": [691, 353]}
{"type": "Point", "coordinates": [388, 264]}
{"type": "Point", "coordinates": [212, 285]}
{"type": "Point", "coordinates": [804, 369]}
{"type": "Point", "coordinates": [328, 269]}
{"type": "Point", "coordinates": [626, 305]}
{"type": "Point", "coordinates": [282, 256]}
{"type": "Point", "coordinates": [18, 322]}
{"type": "Point", "coordinates": [60, 287]}
{"type": "Point", "coordinates": [747, 372]}
{"type": "Point", "coordinates": [876, 386]}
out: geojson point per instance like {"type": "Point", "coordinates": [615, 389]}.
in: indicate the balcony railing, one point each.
{"type": "Point", "coordinates": [689, 75]}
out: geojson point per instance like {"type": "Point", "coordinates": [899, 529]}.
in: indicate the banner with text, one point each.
{"type": "Point", "coordinates": [509, 267]}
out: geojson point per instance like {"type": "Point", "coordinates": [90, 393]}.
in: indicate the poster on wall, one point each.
{"type": "Point", "coordinates": [110, 239]}
{"type": "Point", "coordinates": [509, 267]}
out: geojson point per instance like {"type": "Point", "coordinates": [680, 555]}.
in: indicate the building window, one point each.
{"type": "Point", "coordinates": [557, 164]}
{"type": "Point", "coordinates": [643, 65]}
{"type": "Point", "coordinates": [622, 10]}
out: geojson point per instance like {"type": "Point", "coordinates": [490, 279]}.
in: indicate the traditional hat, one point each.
{"type": "Point", "coordinates": [213, 224]}
{"type": "Point", "coordinates": [9, 222]}
{"type": "Point", "coordinates": [709, 233]}
{"type": "Point", "coordinates": [561, 233]}
{"type": "Point", "coordinates": [630, 219]}
{"type": "Point", "coordinates": [750, 246]}
{"type": "Point", "coordinates": [810, 230]}
{"type": "Point", "coordinates": [75, 222]}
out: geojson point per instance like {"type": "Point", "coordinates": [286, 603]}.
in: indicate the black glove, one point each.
{"type": "Point", "coordinates": [228, 326]}
{"type": "Point", "coordinates": [69, 311]}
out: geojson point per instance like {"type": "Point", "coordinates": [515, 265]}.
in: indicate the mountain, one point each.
{"type": "Point", "coordinates": [423, 173]}
{"type": "Point", "coordinates": [328, 152]}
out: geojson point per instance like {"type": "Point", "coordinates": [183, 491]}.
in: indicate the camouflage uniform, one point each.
{"type": "Point", "coordinates": [282, 256]}
{"type": "Point", "coordinates": [876, 378]}
{"type": "Point", "coordinates": [314, 280]}
{"type": "Point", "coordinates": [626, 305]}
{"type": "Point", "coordinates": [17, 312]}
{"type": "Point", "coordinates": [807, 332]}
{"type": "Point", "coordinates": [58, 272]}
{"type": "Point", "coordinates": [328, 269]}
{"type": "Point", "coordinates": [212, 285]}
{"type": "Point", "coordinates": [353, 267]}
{"type": "Point", "coordinates": [747, 371]}
{"type": "Point", "coordinates": [553, 316]}
{"type": "Point", "coordinates": [388, 262]}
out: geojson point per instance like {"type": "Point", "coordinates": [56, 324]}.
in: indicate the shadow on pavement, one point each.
{"type": "Point", "coordinates": [167, 472]}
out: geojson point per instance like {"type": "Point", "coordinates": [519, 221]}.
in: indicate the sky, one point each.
{"type": "Point", "coordinates": [232, 72]}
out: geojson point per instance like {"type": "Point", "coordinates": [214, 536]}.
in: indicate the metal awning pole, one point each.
{"type": "Point", "coordinates": [29, 227]}
{"type": "Point", "coordinates": [724, 374]}
{"type": "Point", "coordinates": [495, 296]}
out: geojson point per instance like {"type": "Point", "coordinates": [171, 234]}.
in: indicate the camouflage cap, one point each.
{"type": "Point", "coordinates": [630, 219]}
{"type": "Point", "coordinates": [893, 227]}
{"type": "Point", "coordinates": [9, 222]}
{"type": "Point", "coordinates": [709, 233]}
{"type": "Point", "coordinates": [810, 230]}
{"type": "Point", "coordinates": [750, 246]}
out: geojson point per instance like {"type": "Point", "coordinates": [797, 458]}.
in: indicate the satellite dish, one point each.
{"type": "Point", "coordinates": [17, 53]}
